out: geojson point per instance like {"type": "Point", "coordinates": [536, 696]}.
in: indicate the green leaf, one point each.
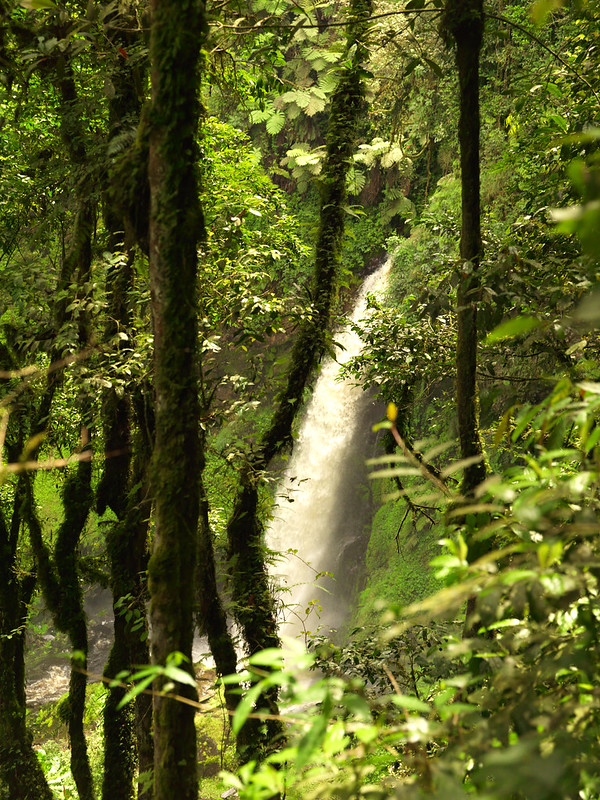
{"type": "Point", "coordinates": [311, 740]}
{"type": "Point", "coordinates": [553, 89]}
{"type": "Point", "coordinates": [245, 706]}
{"type": "Point", "coordinates": [503, 425]}
{"type": "Point", "coordinates": [179, 675]}
{"type": "Point", "coordinates": [314, 105]}
{"type": "Point", "coordinates": [560, 122]}
{"type": "Point", "coordinates": [589, 387]}
{"type": "Point", "coordinates": [592, 439]}
{"type": "Point", "coordinates": [541, 9]}
{"type": "Point", "coordinates": [39, 5]}
{"type": "Point", "coordinates": [523, 420]}
{"type": "Point", "coordinates": [270, 657]}
{"type": "Point", "coordinates": [548, 554]}
{"type": "Point", "coordinates": [393, 472]}
{"type": "Point", "coordinates": [275, 123]}
{"type": "Point", "coordinates": [358, 706]}
{"type": "Point", "coordinates": [434, 66]}
{"type": "Point", "coordinates": [410, 67]}
{"type": "Point", "coordinates": [511, 328]}
{"type": "Point", "coordinates": [517, 575]}
{"type": "Point", "coordinates": [135, 690]}
{"type": "Point", "coordinates": [410, 703]}
{"type": "Point", "coordinates": [458, 465]}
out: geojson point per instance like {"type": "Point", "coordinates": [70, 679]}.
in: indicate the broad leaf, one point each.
{"type": "Point", "coordinates": [511, 328]}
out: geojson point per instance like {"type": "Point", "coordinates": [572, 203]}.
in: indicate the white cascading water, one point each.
{"type": "Point", "coordinates": [323, 501]}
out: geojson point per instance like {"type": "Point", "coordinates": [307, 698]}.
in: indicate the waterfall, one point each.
{"type": "Point", "coordinates": [323, 505]}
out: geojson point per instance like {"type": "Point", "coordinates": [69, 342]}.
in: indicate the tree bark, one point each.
{"type": "Point", "coordinates": [463, 20]}
{"type": "Point", "coordinates": [211, 616]}
{"type": "Point", "coordinates": [127, 734]}
{"type": "Point", "coordinates": [176, 225]}
{"type": "Point", "coordinates": [20, 770]}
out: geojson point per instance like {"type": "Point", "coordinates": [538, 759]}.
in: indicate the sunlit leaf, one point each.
{"type": "Point", "coordinates": [38, 5]}
{"type": "Point", "coordinates": [511, 328]}
{"type": "Point", "coordinates": [410, 703]}
{"type": "Point", "coordinates": [275, 123]}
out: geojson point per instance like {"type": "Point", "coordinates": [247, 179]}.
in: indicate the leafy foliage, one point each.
{"type": "Point", "coordinates": [510, 711]}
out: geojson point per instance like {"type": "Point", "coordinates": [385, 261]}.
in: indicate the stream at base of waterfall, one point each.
{"type": "Point", "coordinates": [322, 517]}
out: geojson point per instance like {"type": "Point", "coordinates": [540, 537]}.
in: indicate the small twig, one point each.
{"type": "Point", "coordinates": [391, 678]}
{"type": "Point", "coordinates": [21, 466]}
{"type": "Point", "coordinates": [397, 536]}
{"type": "Point", "coordinates": [30, 373]}
{"type": "Point", "coordinates": [489, 376]}
{"type": "Point", "coordinates": [153, 692]}
{"type": "Point", "coordinates": [420, 465]}
{"type": "Point", "coordinates": [413, 676]}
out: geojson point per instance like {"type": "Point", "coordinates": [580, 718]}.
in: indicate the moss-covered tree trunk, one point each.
{"type": "Point", "coordinates": [58, 571]}
{"type": "Point", "coordinates": [20, 770]}
{"type": "Point", "coordinates": [254, 607]}
{"type": "Point", "coordinates": [60, 582]}
{"type": "Point", "coordinates": [211, 615]}
{"type": "Point", "coordinates": [127, 734]}
{"type": "Point", "coordinates": [176, 226]}
{"type": "Point", "coordinates": [120, 758]}
{"type": "Point", "coordinates": [464, 22]}
{"type": "Point", "coordinates": [77, 502]}
{"type": "Point", "coordinates": [137, 524]}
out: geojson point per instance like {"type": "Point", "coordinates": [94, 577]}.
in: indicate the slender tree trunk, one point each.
{"type": "Point", "coordinates": [211, 616]}
{"type": "Point", "coordinates": [20, 770]}
{"type": "Point", "coordinates": [464, 22]}
{"type": "Point", "coordinates": [176, 226]}
{"type": "Point", "coordinates": [59, 575]}
{"type": "Point", "coordinates": [138, 524]}
{"type": "Point", "coordinates": [127, 550]}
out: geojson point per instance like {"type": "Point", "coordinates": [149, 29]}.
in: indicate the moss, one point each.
{"type": "Point", "coordinates": [20, 770]}
{"type": "Point", "coordinates": [398, 570]}
{"type": "Point", "coordinates": [176, 226]}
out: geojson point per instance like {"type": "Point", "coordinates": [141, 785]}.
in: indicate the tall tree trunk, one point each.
{"type": "Point", "coordinates": [126, 744]}
{"type": "Point", "coordinates": [58, 573]}
{"type": "Point", "coordinates": [137, 523]}
{"type": "Point", "coordinates": [59, 580]}
{"type": "Point", "coordinates": [176, 224]}
{"type": "Point", "coordinates": [463, 21]}
{"type": "Point", "coordinates": [211, 616]}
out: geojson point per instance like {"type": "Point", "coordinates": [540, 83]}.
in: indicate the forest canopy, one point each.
{"type": "Point", "coordinates": [192, 194]}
